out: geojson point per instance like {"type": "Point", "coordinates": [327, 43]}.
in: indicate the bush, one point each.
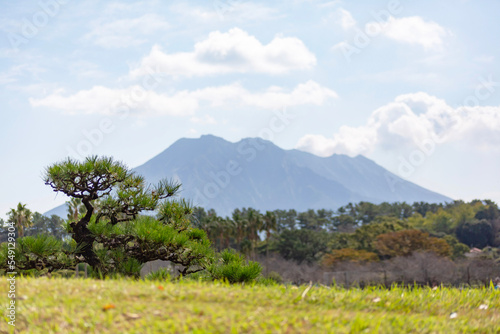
{"type": "Point", "coordinates": [131, 267]}
{"type": "Point", "coordinates": [458, 249]}
{"type": "Point", "coordinates": [348, 254]}
{"type": "Point", "coordinates": [232, 267]}
{"type": "Point", "coordinates": [162, 274]}
{"type": "Point", "coordinates": [274, 276]}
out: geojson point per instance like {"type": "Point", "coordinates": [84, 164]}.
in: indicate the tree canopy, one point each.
{"type": "Point", "coordinates": [21, 217]}
{"type": "Point", "coordinates": [109, 231]}
{"type": "Point", "coordinates": [125, 238]}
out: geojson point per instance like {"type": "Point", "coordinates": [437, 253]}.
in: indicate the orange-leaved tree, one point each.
{"type": "Point", "coordinates": [405, 242]}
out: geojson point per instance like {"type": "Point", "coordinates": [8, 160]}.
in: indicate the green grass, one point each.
{"type": "Point", "coordinates": [76, 306]}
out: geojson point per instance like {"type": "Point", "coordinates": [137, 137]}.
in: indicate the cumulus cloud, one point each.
{"type": "Point", "coordinates": [411, 120]}
{"type": "Point", "coordinates": [103, 100]}
{"type": "Point", "coordinates": [411, 30]}
{"type": "Point", "coordinates": [232, 52]}
{"type": "Point", "coordinates": [125, 32]}
{"type": "Point", "coordinates": [108, 101]}
{"type": "Point", "coordinates": [274, 97]}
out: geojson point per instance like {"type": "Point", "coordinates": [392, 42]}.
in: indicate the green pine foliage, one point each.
{"type": "Point", "coordinates": [110, 234]}
{"type": "Point", "coordinates": [161, 274]}
{"type": "Point", "coordinates": [42, 252]}
{"type": "Point", "coordinates": [231, 266]}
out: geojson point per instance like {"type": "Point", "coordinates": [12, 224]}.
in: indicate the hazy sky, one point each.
{"type": "Point", "coordinates": [413, 85]}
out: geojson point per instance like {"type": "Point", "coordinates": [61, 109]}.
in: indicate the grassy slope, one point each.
{"type": "Point", "coordinates": [76, 306]}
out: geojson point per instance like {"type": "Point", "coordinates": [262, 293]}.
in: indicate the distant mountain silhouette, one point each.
{"type": "Point", "coordinates": [255, 173]}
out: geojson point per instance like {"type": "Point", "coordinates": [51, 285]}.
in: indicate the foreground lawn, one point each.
{"type": "Point", "coordinates": [127, 306]}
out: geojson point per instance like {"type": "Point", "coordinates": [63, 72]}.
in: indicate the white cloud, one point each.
{"type": "Point", "coordinates": [102, 100]}
{"type": "Point", "coordinates": [411, 30]}
{"type": "Point", "coordinates": [233, 52]}
{"type": "Point", "coordinates": [119, 8]}
{"type": "Point", "coordinates": [350, 141]}
{"type": "Point", "coordinates": [345, 19]}
{"type": "Point", "coordinates": [329, 4]}
{"type": "Point", "coordinates": [341, 17]}
{"type": "Point", "coordinates": [18, 72]}
{"type": "Point", "coordinates": [412, 120]}
{"type": "Point", "coordinates": [225, 11]}
{"type": "Point", "coordinates": [273, 98]}
{"type": "Point", "coordinates": [203, 120]}
{"type": "Point", "coordinates": [86, 69]}
{"type": "Point", "coordinates": [107, 101]}
{"type": "Point", "coordinates": [125, 32]}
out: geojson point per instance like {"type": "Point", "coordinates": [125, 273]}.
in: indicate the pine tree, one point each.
{"type": "Point", "coordinates": [118, 238]}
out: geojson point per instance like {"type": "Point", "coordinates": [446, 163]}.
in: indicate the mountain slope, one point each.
{"type": "Point", "coordinates": [255, 173]}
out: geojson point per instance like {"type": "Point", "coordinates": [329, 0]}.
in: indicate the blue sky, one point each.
{"type": "Point", "coordinates": [412, 85]}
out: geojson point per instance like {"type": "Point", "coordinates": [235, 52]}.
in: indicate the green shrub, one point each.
{"type": "Point", "coordinates": [231, 266]}
{"type": "Point", "coordinates": [162, 274]}
{"type": "Point", "coordinates": [274, 276]}
{"type": "Point", "coordinates": [131, 267]}
{"type": "Point", "coordinates": [64, 273]}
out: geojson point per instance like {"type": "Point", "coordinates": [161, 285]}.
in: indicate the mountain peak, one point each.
{"type": "Point", "coordinates": [211, 137]}
{"type": "Point", "coordinates": [253, 172]}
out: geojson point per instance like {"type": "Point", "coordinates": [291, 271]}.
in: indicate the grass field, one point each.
{"type": "Point", "coordinates": [126, 306]}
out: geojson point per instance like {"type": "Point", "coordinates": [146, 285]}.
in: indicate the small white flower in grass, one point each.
{"type": "Point", "coordinates": [483, 307]}
{"type": "Point", "coordinates": [453, 315]}
{"type": "Point", "coordinates": [376, 300]}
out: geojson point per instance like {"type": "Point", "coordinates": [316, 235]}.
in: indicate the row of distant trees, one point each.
{"type": "Point", "coordinates": [363, 242]}
{"type": "Point", "coordinates": [30, 223]}
{"type": "Point", "coordinates": [359, 232]}
{"type": "Point", "coordinates": [295, 247]}
{"type": "Point", "coordinates": [356, 232]}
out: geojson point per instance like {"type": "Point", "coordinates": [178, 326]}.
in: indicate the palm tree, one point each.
{"type": "Point", "coordinates": [269, 224]}
{"type": "Point", "coordinates": [221, 229]}
{"type": "Point", "coordinates": [75, 209]}
{"type": "Point", "coordinates": [211, 227]}
{"type": "Point", "coordinates": [21, 217]}
{"type": "Point", "coordinates": [217, 229]}
{"type": "Point", "coordinates": [254, 226]}
{"type": "Point", "coordinates": [240, 226]}
{"type": "Point", "coordinates": [229, 231]}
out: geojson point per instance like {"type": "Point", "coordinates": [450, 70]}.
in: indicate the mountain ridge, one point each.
{"type": "Point", "coordinates": [253, 172]}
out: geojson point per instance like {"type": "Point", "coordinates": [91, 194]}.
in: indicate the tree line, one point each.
{"type": "Point", "coordinates": [357, 231]}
